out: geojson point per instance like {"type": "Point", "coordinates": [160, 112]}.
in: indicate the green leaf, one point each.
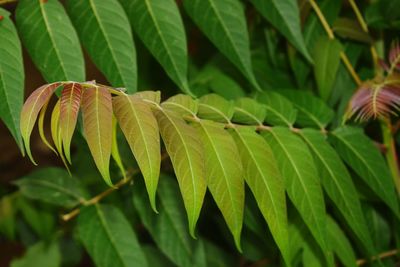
{"type": "Point", "coordinates": [108, 237]}
{"type": "Point", "coordinates": [265, 181]}
{"type": "Point", "coordinates": [51, 40]}
{"type": "Point", "coordinates": [312, 111]}
{"type": "Point", "coordinates": [141, 131]}
{"type": "Point", "coordinates": [40, 254]}
{"type": "Point", "coordinates": [340, 244]}
{"type": "Point", "coordinates": [337, 182]}
{"type": "Point", "coordinates": [155, 257]}
{"type": "Point", "coordinates": [104, 30]}
{"type": "Point", "coordinates": [224, 23]}
{"type": "Point", "coordinates": [216, 108]}
{"type": "Point", "coordinates": [358, 151]}
{"type": "Point", "coordinates": [351, 29]}
{"type": "Point", "coordinates": [248, 111]}
{"type": "Point", "coordinates": [326, 59]}
{"type": "Point", "coordinates": [186, 153]}
{"type": "Point", "coordinates": [159, 25]}
{"type": "Point", "coordinates": [280, 111]}
{"type": "Point", "coordinates": [168, 228]}
{"type": "Point", "coordinates": [183, 105]}
{"type": "Point", "coordinates": [11, 77]}
{"type": "Point", "coordinates": [97, 126]}
{"type": "Point", "coordinates": [54, 186]}
{"type": "Point", "coordinates": [284, 15]}
{"type": "Point", "coordinates": [7, 216]}
{"type": "Point", "coordinates": [224, 173]}
{"type": "Point", "coordinates": [301, 179]}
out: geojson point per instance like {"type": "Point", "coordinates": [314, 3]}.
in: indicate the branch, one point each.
{"type": "Point", "coordinates": [3, 2]}
{"type": "Point", "coordinates": [383, 255]}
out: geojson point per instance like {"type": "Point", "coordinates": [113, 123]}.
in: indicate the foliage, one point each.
{"type": "Point", "coordinates": [255, 122]}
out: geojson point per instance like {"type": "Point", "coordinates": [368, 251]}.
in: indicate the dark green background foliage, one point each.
{"type": "Point", "coordinates": [258, 167]}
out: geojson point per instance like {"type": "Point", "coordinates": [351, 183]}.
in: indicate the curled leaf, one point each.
{"type": "Point", "coordinates": [30, 112]}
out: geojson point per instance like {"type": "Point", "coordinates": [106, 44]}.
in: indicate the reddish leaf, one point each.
{"type": "Point", "coordinates": [70, 101]}
{"type": "Point", "coordinates": [97, 125]}
{"type": "Point", "coordinates": [30, 112]}
{"type": "Point", "coordinates": [394, 55]}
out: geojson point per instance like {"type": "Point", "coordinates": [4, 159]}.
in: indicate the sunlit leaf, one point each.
{"type": "Point", "coordinates": [183, 105]}
{"type": "Point", "coordinates": [224, 174]}
{"type": "Point", "coordinates": [301, 179]}
{"type": "Point", "coordinates": [265, 181]}
{"type": "Point", "coordinates": [30, 112]}
{"type": "Point", "coordinates": [105, 32]}
{"type": "Point", "coordinates": [108, 237]}
{"type": "Point", "coordinates": [248, 111]}
{"type": "Point", "coordinates": [70, 102]}
{"type": "Point", "coordinates": [159, 25]}
{"type": "Point", "coordinates": [141, 131]}
{"type": "Point", "coordinates": [97, 126]}
{"type": "Point", "coordinates": [214, 107]}
{"type": "Point", "coordinates": [186, 153]}
{"type": "Point", "coordinates": [51, 40]}
{"type": "Point", "coordinates": [358, 151]}
{"type": "Point", "coordinates": [12, 77]}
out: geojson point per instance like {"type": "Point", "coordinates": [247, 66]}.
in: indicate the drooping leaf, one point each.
{"type": "Point", "coordinates": [265, 181]}
{"type": "Point", "coordinates": [42, 115]}
{"type": "Point", "coordinates": [340, 244]}
{"type": "Point", "coordinates": [159, 25]}
{"type": "Point", "coordinates": [312, 111]}
{"type": "Point", "coordinates": [54, 186]}
{"type": "Point", "coordinates": [351, 29]}
{"type": "Point", "coordinates": [108, 237]}
{"type": "Point", "coordinates": [115, 149]}
{"type": "Point", "coordinates": [224, 173]}
{"type": "Point", "coordinates": [337, 182]}
{"type": "Point", "coordinates": [30, 112]}
{"type": "Point", "coordinates": [327, 59]}
{"type": "Point", "coordinates": [69, 108]}
{"type": "Point", "coordinates": [141, 131]}
{"type": "Point", "coordinates": [183, 105]}
{"type": "Point", "coordinates": [214, 107]}
{"type": "Point", "coordinates": [40, 254]}
{"type": "Point", "coordinates": [97, 126]}
{"type": "Point", "coordinates": [51, 40]}
{"type": "Point", "coordinates": [186, 153]}
{"type": "Point", "coordinates": [284, 15]}
{"type": "Point", "coordinates": [358, 151]}
{"type": "Point", "coordinates": [301, 179]}
{"type": "Point", "coordinates": [104, 30]}
{"type": "Point", "coordinates": [224, 23]}
{"type": "Point", "coordinates": [280, 111]}
{"type": "Point", "coordinates": [168, 228]}
{"type": "Point", "coordinates": [12, 77]}
{"type": "Point", "coordinates": [248, 111]}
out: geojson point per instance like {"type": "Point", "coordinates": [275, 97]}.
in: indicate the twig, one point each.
{"type": "Point", "coordinates": [3, 2]}
{"type": "Point", "coordinates": [383, 255]}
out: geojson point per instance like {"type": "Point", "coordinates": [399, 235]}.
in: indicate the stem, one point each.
{"type": "Point", "coordinates": [391, 155]}
{"type": "Point", "coordinates": [383, 255]}
{"type": "Point", "coordinates": [2, 2]}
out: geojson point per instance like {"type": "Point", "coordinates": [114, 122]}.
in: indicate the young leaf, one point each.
{"type": "Point", "coordinates": [183, 105]}
{"type": "Point", "coordinates": [265, 181]}
{"type": "Point", "coordinates": [214, 107]}
{"type": "Point", "coordinates": [51, 40]}
{"type": "Point", "coordinates": [168, 228]}
{"type": "Point", "coordinates": [159, 25]}
{"type": "Point", "coordinates": [280, 111]}
{"type": "Point", "coordinates": [153, 96]}
{"type": "Point", "coordinates": [224, 23]}
{"type": "Point", "coordinates": [30, 112]}
{"type": "Point", "coordinates": [284, 15]}
{"type": "Point", "coordinates": [248, 111]}
{"type": "Point", "coordinates": [97, 126]}
{"type": "Point", "coordinates": [52, 185]}
{"type": "Point", "coordinates": [358, 151]}
{"type": "Point", "coordinates": [301, 179]}
{"type": "Point", "coordinates": [71, 97]}
{"type": "Point", "coordinates": [340, 244]}
{"type": "Point", "coordinates": [337, 183]}
{"type": "Point", "coordinates": [141, 131]}
{"type": "Point", "coordinates": [114, 147]}
{"type": "Point", "coordinates": [12, 77]}
{"type": "Point", "coordinates": [312, 111]}
{"type": "Point", "coordinates": [42, 114]}
{"type": "Point", "coordinates": [40, 254]}
{"type": "Point", "coordinates": [107, 36]}
{"type": "Point", "coordinates": [224, 173]}
{"type": "Point", "coordinates": [186, 153]}
{"type": "Point", "coordinates": [108, 237]}
{"type": "Point", "coordinates": [327, 59]}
